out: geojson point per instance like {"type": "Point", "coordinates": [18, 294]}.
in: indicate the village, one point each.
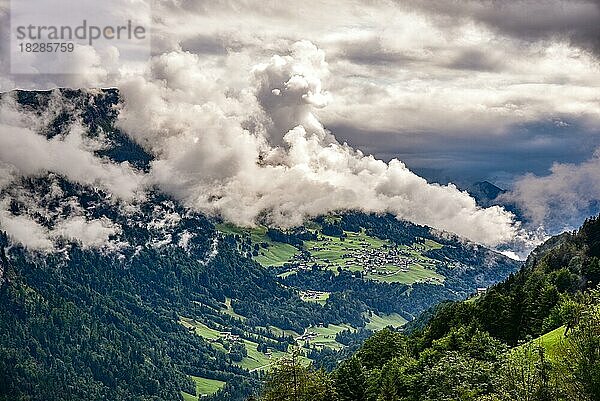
{"type": "Point", "coordinates": [362, 258]}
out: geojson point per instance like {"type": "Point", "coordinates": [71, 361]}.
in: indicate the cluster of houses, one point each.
{"type": "Point", "coordinates": [368, 259]}
{"type": "Point", "coordinates": [374, 261]}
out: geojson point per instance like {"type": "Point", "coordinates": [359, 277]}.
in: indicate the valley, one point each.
{"type": "Point", "coordinates": [182, 304]}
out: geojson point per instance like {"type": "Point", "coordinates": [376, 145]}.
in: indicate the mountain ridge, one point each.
{"type": "Point", "coordinates": [165, 296]}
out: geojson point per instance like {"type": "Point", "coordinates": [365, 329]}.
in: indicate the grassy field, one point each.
{"type": "Point", "coordinates": [188, 397]}
{"type": "Point", "coordinates": [255, 360]}
{"type": "Point", "coordinates": [258, 361]}
{"type": "Point", "coordinates": [334, 253]}
{"type": "Point", "coordinates": [331, 250]}
{"type": "Point", "coordinates": [203, 387]}
{"type": "Point", "coordinates": [430, 244]}
{"type": "Point", "coordinates": [326, 336]}
{"type": "Point", "coordinates": [551, 341]}
{"type": "Point", "coordinates": [276, 254]}
{"type": "Point", "coordinates": [377, 322]}
{"type": "Point", "coordinates": [200, 329]}
{"type": "Point", "coordinates": [278, 331]}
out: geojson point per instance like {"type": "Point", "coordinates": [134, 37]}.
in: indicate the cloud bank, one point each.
{"type": "Point", "coordinates": [559, 199]}
{"type": "Point", "coordinates": [259, 152]}
{"type": "Point", "coordinates": [25, 152]}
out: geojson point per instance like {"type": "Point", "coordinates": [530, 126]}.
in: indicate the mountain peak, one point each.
{"type": "Point", "coordinates": [485, 192]}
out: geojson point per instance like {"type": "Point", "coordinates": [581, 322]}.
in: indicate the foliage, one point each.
{"type": "Point", "coordinates": [481, 350]}
{"type": "Point", "coordinates": [289, 380]}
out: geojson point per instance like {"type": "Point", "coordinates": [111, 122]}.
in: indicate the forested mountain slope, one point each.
{"type": "Point", "coordinates": [485, 348]}
{"type": "Point", "coordinates": [175, 304]}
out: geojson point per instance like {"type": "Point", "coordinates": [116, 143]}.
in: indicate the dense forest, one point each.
{"type": "Point", "coordinates": [483, 348]}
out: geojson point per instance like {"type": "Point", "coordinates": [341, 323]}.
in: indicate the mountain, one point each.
{"type": "Point", "coordinates": [533, 336]}
{"type": "Point", "coordinates": [485, 193]}
{"type": "Point", "coordinates": [144, 298]}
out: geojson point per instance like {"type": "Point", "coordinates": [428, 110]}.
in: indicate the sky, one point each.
{"type": "Point", "coordinates": [335, 95]}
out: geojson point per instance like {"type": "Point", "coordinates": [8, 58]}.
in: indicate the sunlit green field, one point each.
{"type": "Point", "coordinates": [229, 310]}
{"type": "Point", "coordinates": [326, 336]}
{"type": "Point", "coordinates": [200, 329]}
{"type": "Point", "coordinates": [551, 341]}
{"type": "Point", "coordinates": [255, 360]}
{"type": "Point", "coordinates": [276, 254]}
{"type": "Point", "coordinates": [377, 322]}
{"type": "Point", "coordinates": [203, 387]}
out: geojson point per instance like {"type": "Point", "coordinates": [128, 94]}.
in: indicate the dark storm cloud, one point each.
{"type": "Point", "coordinates": [526, 148]}
{"type": "Point", "coordinates": [575, 21]}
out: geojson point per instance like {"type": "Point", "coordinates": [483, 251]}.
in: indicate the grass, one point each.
{"type": "Point", "coordinates": [276, 254]}
{"type": "Point", "coordinates": [335, 248]}
{"type": "Point", "coordinates": [200, 328]}
{"type": "Point", "coordinates": [333, 252]}
{"type": "Point", "coordinates": [255, 360]}
{"type": "Point", "coordinates": [326, 336]}
{"type": "Point", "coordinates": [229, 310]}
{"type": "Point", "coordinates": [278, 331]}
{"type": "Point", "coordinates": [551, 340]}
{"type": "Point", "coordinates": [204, 387]}
{"type": "Point", "coordinates": [258, 361]}
{"type": "Point", "coordinates": [377, 322]}
{"type": "Point", "coordinates": [188, 397]}
{"type": "Point", "coordinates": [431, 244]}
{"type": "Point", "coordinates": [207, 386]}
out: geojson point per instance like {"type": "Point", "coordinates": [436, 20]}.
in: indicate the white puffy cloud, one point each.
{"type": "Point", "coordinates": [27, 153]}
{"type": "Point", "coordinates": [260, 152]}
{"type": "Point", "coordinates": [256, 144]}
{"type": "Point", "coordinates": [562, 198]}
{"type": "Point", "coordinates": [25, 231]}
{"type": "Point", "coordinates": [88, 233]}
